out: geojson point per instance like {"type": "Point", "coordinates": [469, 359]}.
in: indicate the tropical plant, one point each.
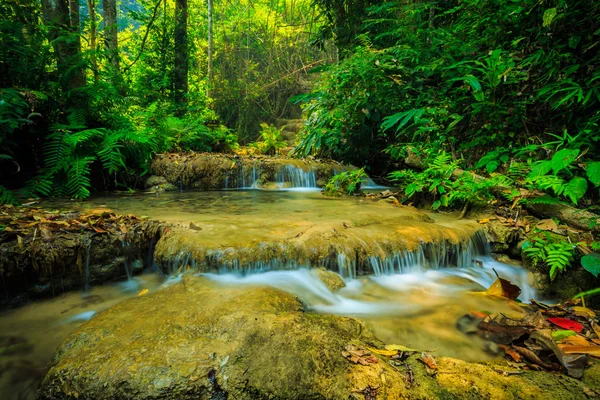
{"type": "Point", "coordinates": [347, 182]}
{"type": "Point", "coordinates": [546, 250]}
{"type": "Point", "coordinates": [271, 140]}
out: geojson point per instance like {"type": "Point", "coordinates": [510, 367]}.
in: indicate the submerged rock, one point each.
{"type": "Point", "coordinates": [200, 340]}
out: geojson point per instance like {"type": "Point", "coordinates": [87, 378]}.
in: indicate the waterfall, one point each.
{"type": "Point", "coordinates": [295, 177]}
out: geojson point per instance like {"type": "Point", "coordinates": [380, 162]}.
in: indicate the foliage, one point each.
{"type": "Point", "coordinates": [272, 142]}
{"type": "Point", "coordinates": [591, 263]}
{"type": "Point", "coordinates": [347, 182]}
{"type": "Point", "coordinates": [465, 77]}
{"type": "Point", "coordinates": [556, 254]}
{"type": "Point", "coordinates": [436, 180]}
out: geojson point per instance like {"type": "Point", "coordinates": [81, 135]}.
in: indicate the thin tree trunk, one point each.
{"type": "Point", "coordinates": [92, 12]}
{"type": "Point", "coordinates": [56, 14]}
{"type": "Point", "coordinates": [111, 39]}
{"type": "Point", "coordinates": [181, 54]}
{"type": "Point", "coordinates": [210, 49]}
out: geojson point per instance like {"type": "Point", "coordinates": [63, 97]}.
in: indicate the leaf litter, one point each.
{"type": "Point", "coordinates": [557, 337]}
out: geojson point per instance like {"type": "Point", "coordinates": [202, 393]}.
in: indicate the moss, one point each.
{"type": "Point", "coordinates": [197, 340]}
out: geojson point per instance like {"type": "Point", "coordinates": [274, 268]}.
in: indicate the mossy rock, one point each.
{"type": "Point", "coordinates": [329, 278]}
{"type": "Point", "coordinates": [200, 340]}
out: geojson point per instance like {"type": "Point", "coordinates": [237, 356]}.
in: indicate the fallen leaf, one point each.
{"type": "Point", "coordinates": [399, 347]}
{"type": "Point", "coordinates": [383, 352]}
{"type": "Point", "coordinates": [546, 225]}
{"type": "Point", "coordinates": [143, 292]}
{"type": "Point", "coordinates": [566, 323]}
{"type": "Point", "coordinates": [531, 356]}
{"type": "Point", "coordinates": [516, 357]}
{"type": "Point", "coordinates": [596, 328]}
{"type": "Point", "coordinates": [574, 363]}
{"type": "Point", "coordinates": [484, 220]}
{"type": "Point", "coordinates": [576, 341]}
{"type": "Point", "coordinates": [561, 335]}
{"type": "Point", "coordinates": [583, 312]}
{"type": "Point", "coordinates": [593, 351]}
{"type": "Point", "coordinates": [503, 288]}
{"type": "Point", "coordinates": [429, 362]}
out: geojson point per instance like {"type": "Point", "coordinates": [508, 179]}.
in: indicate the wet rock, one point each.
{"type": "Point", "coordinates": [332, 280]}
{"type": "Point", "coordinates": [200, 340]}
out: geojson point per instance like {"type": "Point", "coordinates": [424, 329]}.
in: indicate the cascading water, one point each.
{"type": "Point", "coordinates": [295, 177]}
{"type": "Point", "coordinates": [470, 260]}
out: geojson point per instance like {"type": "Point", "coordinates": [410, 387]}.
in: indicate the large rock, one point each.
{"type": "Point", "coordinates": [199, 340]}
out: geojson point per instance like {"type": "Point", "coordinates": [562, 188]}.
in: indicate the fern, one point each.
{"type": "Point", "coordinates": [78, 177]}
{"type": "Point", "coordinates": [555, 254]}
{"type": "Point", "coordinates": [7, 197]}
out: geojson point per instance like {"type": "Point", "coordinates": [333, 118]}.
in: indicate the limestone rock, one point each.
{"type": "Point", "coordinates": [200, 340]}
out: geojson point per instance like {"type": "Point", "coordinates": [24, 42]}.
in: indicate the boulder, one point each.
{"type": "Point", "coordinates": [200, 340]}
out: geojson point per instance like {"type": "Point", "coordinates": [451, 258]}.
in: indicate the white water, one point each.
{"type": "Point", "coordinates": [357, 298]}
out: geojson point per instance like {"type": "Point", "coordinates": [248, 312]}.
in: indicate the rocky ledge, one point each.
{"type": "Point", "coordinates": [210, 171]}
{"type": "Point", "coordinates": [198, 340]}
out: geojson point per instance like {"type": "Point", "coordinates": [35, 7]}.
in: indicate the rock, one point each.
{"type": "Point", "coordinates": [155, 181]}
{"type": "Point", "coordinates": [200, 340]}
{"type": "Point", "coordinates": [332, 280]}
{"type": "Point", "coordinates": [502, 238]}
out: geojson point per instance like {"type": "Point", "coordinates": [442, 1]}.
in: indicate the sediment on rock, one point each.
{"type": "Point", "coordinates": [45, 253]}
{"type": "Point", "coordinates": [259, 343]}
{"type": "Point", "coordinates": [351, 249]}
{"type": "Point", "coordinates": [210, 171]}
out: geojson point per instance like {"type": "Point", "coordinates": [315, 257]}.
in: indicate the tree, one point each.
{"type": "Point", "coordinates": [65, 39]}
{"type": "Point", "coordinates": [111, 37]}
{"type": "Point", "coordinates": [210, 47]}
{"type": "Point", "coordinates": [180, 81]}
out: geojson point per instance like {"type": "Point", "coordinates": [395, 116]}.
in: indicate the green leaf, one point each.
{"type": "Point", "coordinates": [540, 168]}
{"type": "Point", "coordinates": [593, 172]}
{"type": "Point", "coordinates": [492, 166]}
{"type": "Point", "coordinates": [476, 86]}
{"type": "Point", "coordinates": [549, 15]}
{"type": "Point", "coordinates": [561, 335]}
{"type": "Point", "coordinates": [576, 189]}
{"type": "Point", "coordinates": [591, 263]}
{"type": "Point", "coordinates": [562, 159]}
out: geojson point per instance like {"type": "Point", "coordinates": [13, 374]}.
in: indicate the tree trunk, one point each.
{"type": "Point", "coordinates": [210, 49]}
{"type": "Point", "coordinates": [57, 17]}
{"type": "Point", "coordinates": [78, 72]}
{"type": "Point", "coordinates": [92, 12]}
{"type": "Point", "coordinates": [181, 55]}
{"type": "Point", "coordinates": [111, 37]}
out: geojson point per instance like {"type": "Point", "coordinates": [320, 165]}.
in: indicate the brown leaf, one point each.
{"type": "Point", "coordinates": [503, 288]}
{"type": "Point", "coordinates": [547, 225]}
{"type": "Point", "coordinates": [511, 353]}
{"type": "Point", "coordinates": [574, 363]}
{"type": "Point", "coordinates": [593, 351]}
{"type": "Point", "coordinates": [531, 356]}
{"type": "Point", "coordinates": [429, 362]}
{"type": "Point", "coordinates": [45, 232]}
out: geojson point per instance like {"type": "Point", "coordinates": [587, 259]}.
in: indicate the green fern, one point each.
{"type": "Point", "coordinates": [557, 255]}
{"type": "Point", "coordinates": [7, 197]}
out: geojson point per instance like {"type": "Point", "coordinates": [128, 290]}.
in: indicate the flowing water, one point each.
{"type": "Point", "coordinates": [412, 296]}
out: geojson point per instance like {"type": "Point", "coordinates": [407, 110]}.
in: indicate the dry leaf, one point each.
{"type": "Point", "coordinates": [583, 312]}
{"type": "Point", "coordinates": [503, 288]}
{"type": "Point", "coordinates": [546, 225]}
{"type": "Point", "coordinates": [593, 351]}
{"type": "Point", "coordinates": [429, 361]}
{"type": "Point", "coordinates": [511, 353]}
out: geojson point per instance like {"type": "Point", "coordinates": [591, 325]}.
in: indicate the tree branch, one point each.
{"type": "Point", "coordinates": [154, 13]}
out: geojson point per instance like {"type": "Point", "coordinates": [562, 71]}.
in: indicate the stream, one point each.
{"type": "Point", "coordinates": [416, 302]}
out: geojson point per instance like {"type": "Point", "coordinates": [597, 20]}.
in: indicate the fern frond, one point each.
{"type": "Point", "coordinates": [7, 197]}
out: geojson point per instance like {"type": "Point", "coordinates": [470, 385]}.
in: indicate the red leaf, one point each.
{"type": "Point", "coordinates": [567, 323]}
